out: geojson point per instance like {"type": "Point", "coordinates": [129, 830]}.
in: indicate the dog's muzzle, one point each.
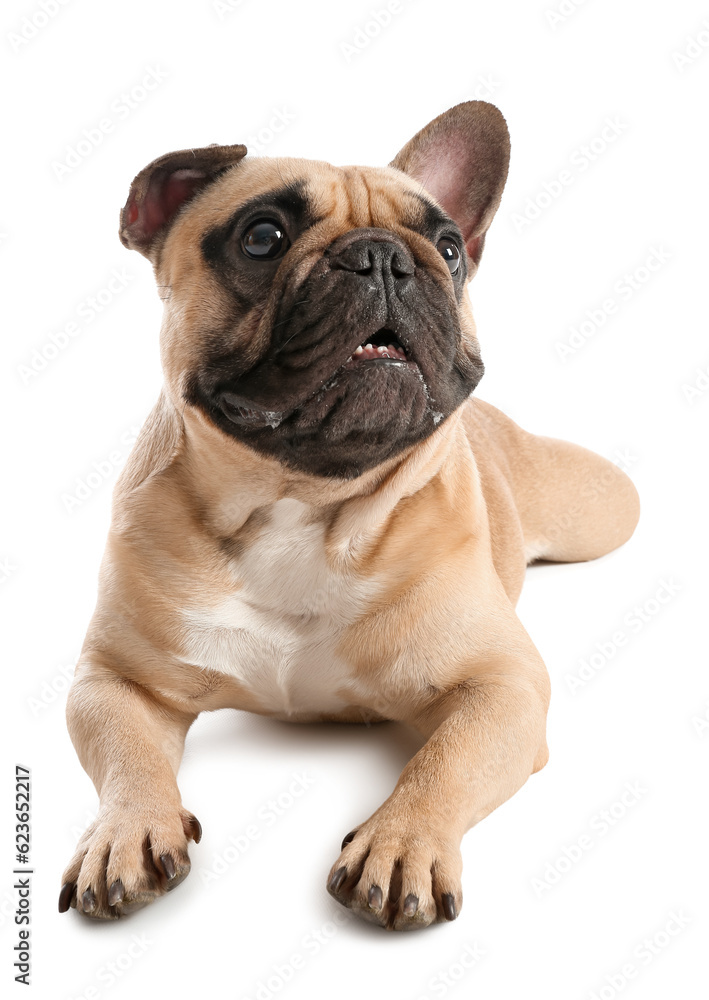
{"type": "Point", "coordinates": [379, 266]}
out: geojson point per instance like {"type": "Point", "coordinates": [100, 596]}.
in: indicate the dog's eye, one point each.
{"type": "Point", "coordinates": [448, 249]}
{"type": "Point", "coordinates": [264, 240]}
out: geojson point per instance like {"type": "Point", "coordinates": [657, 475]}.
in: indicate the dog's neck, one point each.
{"type": "Point", "coordinates": [229, 481]}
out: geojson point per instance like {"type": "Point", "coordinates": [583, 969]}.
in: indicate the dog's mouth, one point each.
{"type": "Point", "coordinates": [381, 346]}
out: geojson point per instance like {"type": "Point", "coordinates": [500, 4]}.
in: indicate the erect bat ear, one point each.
{"type": "Point", "coordinates": [164, 186]}
{"type": "Point", "coordinates": [462, 158]}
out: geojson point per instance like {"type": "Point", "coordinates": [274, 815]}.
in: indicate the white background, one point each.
{"type": "Point", "coordinates": [641, 718]}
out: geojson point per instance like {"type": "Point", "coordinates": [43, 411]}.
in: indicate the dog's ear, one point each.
{"type": "Point", "coordinates": [164, 186]}
{"type": "Point", "coordinates": [462, 158]}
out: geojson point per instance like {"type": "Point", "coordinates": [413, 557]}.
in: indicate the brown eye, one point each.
{"type": "Point", "coordinates": [448, 249]}
{"type": "Point", "coordinates": [264, 240]}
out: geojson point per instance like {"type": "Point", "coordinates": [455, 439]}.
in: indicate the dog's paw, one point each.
{"type": "Point", "coordinates": [397, 878]}
{"type": "Point", "coordinates": [127, 859]}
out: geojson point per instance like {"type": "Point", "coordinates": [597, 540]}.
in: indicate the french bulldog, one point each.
{"type": "Point", "coordinates": [318, 520]}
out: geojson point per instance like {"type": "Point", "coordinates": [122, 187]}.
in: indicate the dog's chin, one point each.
{"type": "Point", "coordinates": [370, 405]}
{"type": "Point", "coordinates": [339, 417]}
{"type": "Point", "coordinates": [364, 414]}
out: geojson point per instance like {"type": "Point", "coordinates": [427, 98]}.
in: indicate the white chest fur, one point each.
{"type": "Point", "coordinates": [277, 632]}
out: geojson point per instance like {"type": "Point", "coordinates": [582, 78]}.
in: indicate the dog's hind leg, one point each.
{"type": "Point", "coordinates": [572, 504]}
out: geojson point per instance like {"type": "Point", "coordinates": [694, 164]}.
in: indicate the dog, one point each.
{"type": "Point", "coordinates": [319, 520]}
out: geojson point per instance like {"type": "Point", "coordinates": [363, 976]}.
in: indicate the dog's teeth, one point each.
{"type": "Point", "coordinates": [369, 351]}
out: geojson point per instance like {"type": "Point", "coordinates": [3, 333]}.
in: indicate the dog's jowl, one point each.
{"type": "Point", "coordinates": [320, 520]}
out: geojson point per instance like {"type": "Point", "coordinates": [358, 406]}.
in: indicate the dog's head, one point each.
{"type": "Point", "coordinates": [318, 314]}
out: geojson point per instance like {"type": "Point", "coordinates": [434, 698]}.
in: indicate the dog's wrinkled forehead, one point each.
{"type": "Point", "coordinates": [363, 193]}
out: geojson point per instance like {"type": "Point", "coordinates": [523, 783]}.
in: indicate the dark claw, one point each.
{"type": "Point", "coordinates": [196, 829]}
{"type": "Point", "coordinates": [448, 906]}
{"type": "Point", "coordinates": [116, 893]}
{"type": "Point", "coordinates": [88, 902]}
{"type": "Point", "coordinates": [375, 897]}
{"type": "Point", "coordinates": [411, 905]}
{"type": "Point", "coordinates": [337, 879]}
{"type": "Point", "coordinates": [65, 896]}
{"type": "Point", "coordinates": [348, 839]}
{"type": "Point", "coordinates": [168, 865]}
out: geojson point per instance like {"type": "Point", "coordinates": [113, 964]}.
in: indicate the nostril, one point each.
{"type": "Point", "coordinates": [401, 267]}
{"type": "Point", "coordinates": [356, 259]}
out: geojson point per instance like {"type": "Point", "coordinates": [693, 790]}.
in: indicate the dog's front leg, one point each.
{"type": "Point", "coordinates": [402, 867]}
{"type": "Point", "coordinates": [130, 744]}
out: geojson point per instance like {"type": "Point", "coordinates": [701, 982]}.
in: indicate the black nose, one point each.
{"type": "Point", "coordinates": [379, 257]}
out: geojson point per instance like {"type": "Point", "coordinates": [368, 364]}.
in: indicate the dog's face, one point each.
{"type": "Point", "coordinates": [318, 314]}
